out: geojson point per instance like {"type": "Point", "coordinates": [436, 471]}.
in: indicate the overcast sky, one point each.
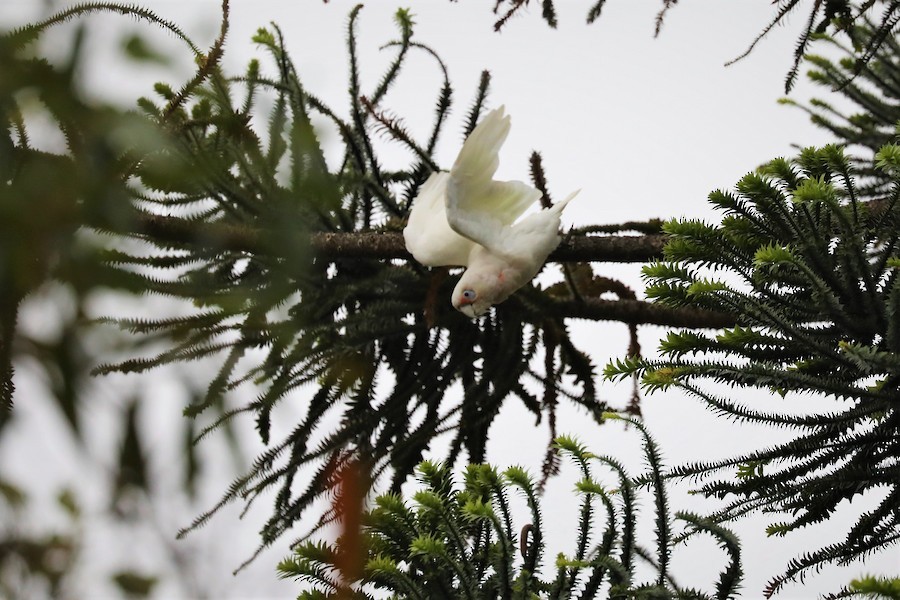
{"type": "Point", "coordinates": [644, 127]}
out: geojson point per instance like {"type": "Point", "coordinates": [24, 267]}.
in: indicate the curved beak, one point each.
{"type": "Point", "coordinates": [468, 310]}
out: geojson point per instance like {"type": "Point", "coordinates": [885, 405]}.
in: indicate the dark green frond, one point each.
{"type": "Point", "coordinates": [460, 541]}
{"type": "Point", "coordinates": [221, 215]}
{"type": "Point", "coordinates": [807, 270]}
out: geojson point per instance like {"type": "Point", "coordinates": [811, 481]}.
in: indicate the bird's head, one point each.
{"type": "Point", "coordinates": [477, 291]}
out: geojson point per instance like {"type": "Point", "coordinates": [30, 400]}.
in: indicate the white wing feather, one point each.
{"type": "Point", "coordinates": [460, 210]}
{"type": "Point", "coordinates": [478, 207]}
{"type": "Point", "coordinates": [428, 235]}
{"type": "Point", "coordinates": [531, 240]}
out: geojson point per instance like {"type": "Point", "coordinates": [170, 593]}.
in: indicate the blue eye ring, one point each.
{"type": "Point", "coordinates": [469, 295]}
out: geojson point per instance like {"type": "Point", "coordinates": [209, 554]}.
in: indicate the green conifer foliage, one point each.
{"type": "Point", "coordinates": [811, 272]}
{"type": "Point", "coordinates": [221, 215]}
{"type": "Point", "coordinates": [462, 542]}
{"type": "Point", "coordinates": [48, 195]}
{"type": "Point", "coordinates": [219, 211]}
{"type": "Point", "coordinates": [873, 93]}
{"type": "Point", "coordinates": [878, 19]}
{"type": "Point", "coordinates": [876, 587]}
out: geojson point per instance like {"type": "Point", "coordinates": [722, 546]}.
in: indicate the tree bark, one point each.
{"type": "Point", "coordinates": [388, 245]}
{"type": "Point", "coordinates": [640, 312]}
{"type": "Point", "coordinates": [606, 248]}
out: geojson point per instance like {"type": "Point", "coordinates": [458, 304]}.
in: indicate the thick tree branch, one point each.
{"type": "Point", "coordinates": [389, 245]}
{"type": "Point", "coordinates": [386, 245]}
{"type": "Point", "coordinates": [639, 312]}
{"type": "Point", "coordinates": [173, 230]}
{"type": "Point", "coordinates": [609, 248]}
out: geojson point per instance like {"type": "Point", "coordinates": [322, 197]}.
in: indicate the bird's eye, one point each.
{"type": "Point", "coordinates": [469, 294]}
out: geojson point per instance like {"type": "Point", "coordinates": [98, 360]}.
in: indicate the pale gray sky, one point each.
{"type": "Point", "coordinates": [645, 128]}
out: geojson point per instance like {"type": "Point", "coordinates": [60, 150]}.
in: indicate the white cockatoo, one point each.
{"type": "Point", "coordinates": [465, 218]}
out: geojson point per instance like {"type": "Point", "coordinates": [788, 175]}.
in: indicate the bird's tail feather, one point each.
{"type": "Point", "coordinates": [559, 206]}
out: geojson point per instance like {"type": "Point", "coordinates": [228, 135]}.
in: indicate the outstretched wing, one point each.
{"type": "Point", "coordinates": [478, 207]}
{"type": "Point", "coordinates": [428, 235]}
